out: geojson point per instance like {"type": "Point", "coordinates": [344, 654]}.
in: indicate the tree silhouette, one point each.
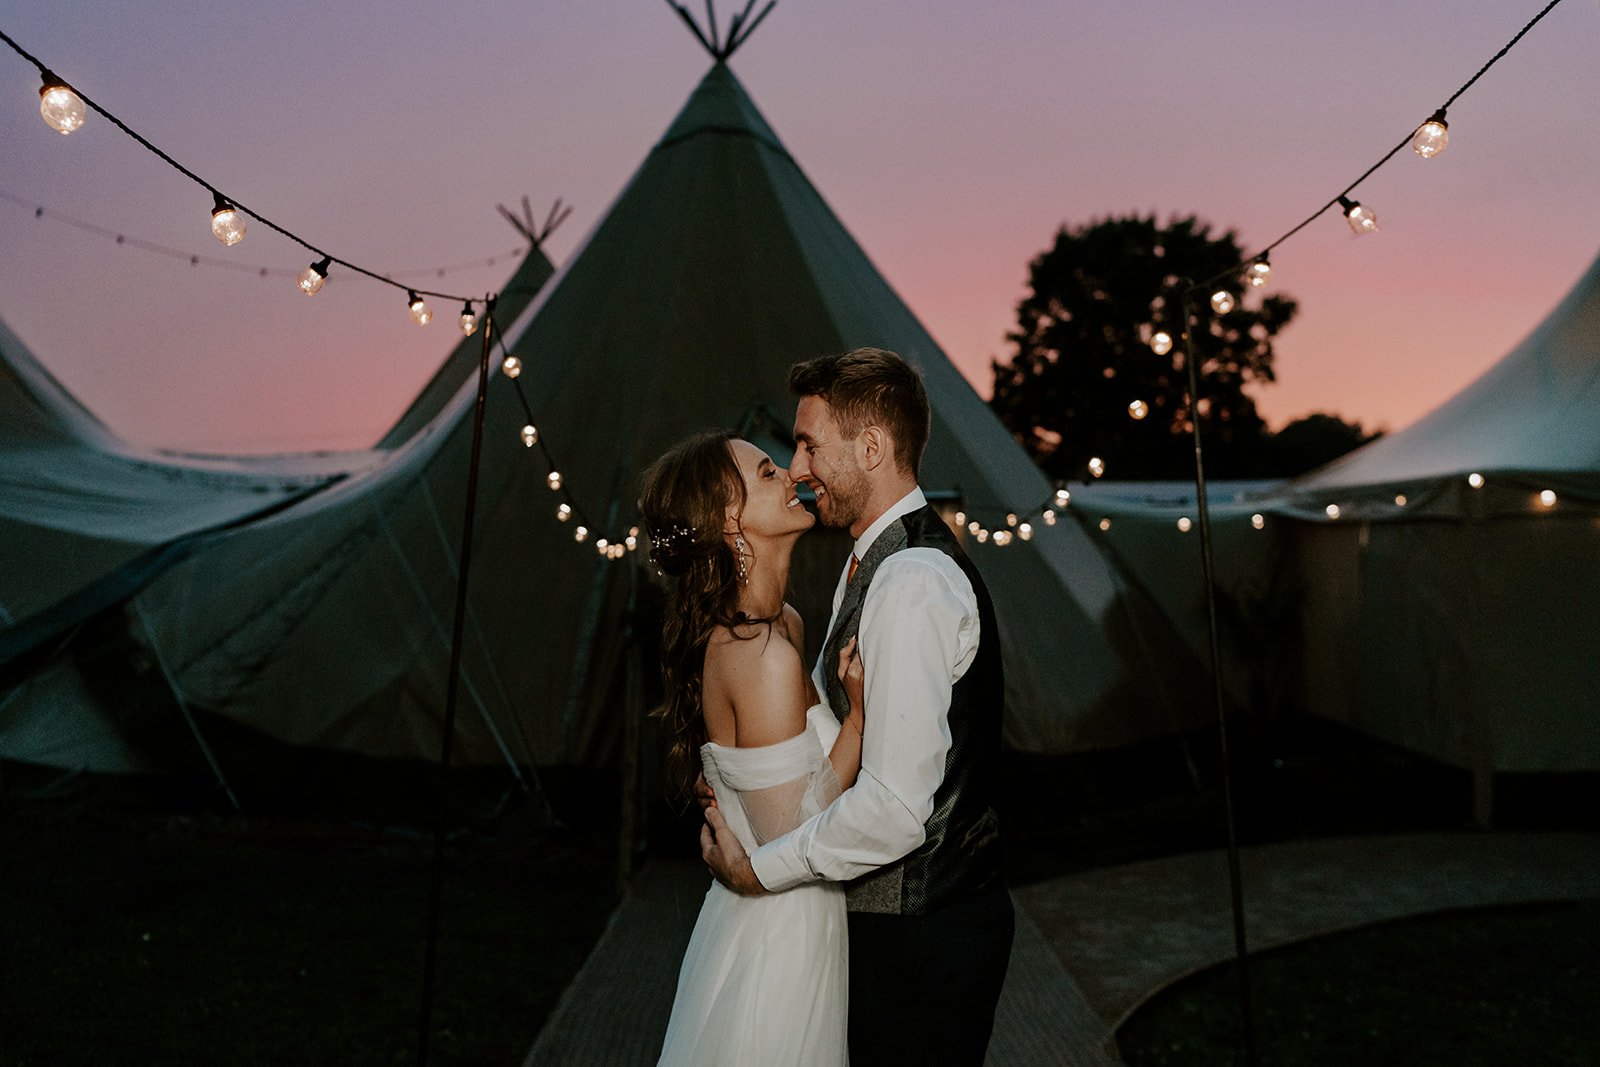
{"type": "Point", "coordinates": [1084, 367]}
{"type": "Point", "coordinates": [1312, 440]}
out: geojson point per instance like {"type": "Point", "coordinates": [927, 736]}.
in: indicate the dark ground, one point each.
{"type": "Point", "coordinates": [159, 929]}
{"type": "Point", "coordinates": [138, 939]}
{"type": "Point", "coordinates": [1510, 985]}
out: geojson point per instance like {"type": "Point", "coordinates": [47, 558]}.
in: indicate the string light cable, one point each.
{"type": "Point", "coordinates": [62, 106]}
{"type": "Point", "coordinates": [196, 259]}
{"type": "Point", "coordinates": [1427, 140]}
{"type": "Point", "coordinates": [62, 113]}
{"type": "Point", "coordinates": [568, 510]}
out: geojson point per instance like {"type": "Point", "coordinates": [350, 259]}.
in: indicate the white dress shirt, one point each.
{"type": "Point", "coordinates": [918, 635]}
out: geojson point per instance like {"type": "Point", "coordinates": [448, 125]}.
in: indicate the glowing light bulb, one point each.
{"type": "Point", "coordinates": [1258, 272]}
{"type": "Point", "coordinates": [1222, 302]}
{"type": "Point", "coordinates": [1432, 136]}
{"type": "Point", "coordinates": [511, 366]}
{"type": "Point", "coordinates": [1258, 520]}
{"type": "Point", "coordinates": [1161, 342]}
{"type": "Point", "coordinates": [1025, 531]}
{"type": "Point", "coordinates": [603, 546]}
{"type": "Point", "coordinates": [1475, 480]}
{"type": "Point", "coordinates": [1105, 524]}
{"type": "Point", "coordinates": [973, 527]}
{"type": "Point", "coordinates": [1097, 466]}
{"type": "Point", "coordinates": [1049, 517]}
{"type": "Point", "coordinates": [983, 535]}
{"type": "Point", "coordinates": [1400, 500]}
{"type": "Point", "coordinates": [1063, 498]}
{"type": "Point", "coordinates": [1011, 519]}
{"type": "Point", "coordinates": [469, 320]}
{"type": "Point", "coordinates": [1138, 409]}
{"type": "Point", "coordinates": [553, 480]}
{"type": "Point", "coordinates": [1332, 511]}
{"type": "Point", "coordinates": [310, 280]}
{"type": "Point", "coordinates": [1547, 498]}
{"type": "Point", "coordinates": [420, 313]}
{"type": "Point", "coordinates": [61, 108]}
{"type": "Point", "coordinates": [530, 435]}
{"type": "Point", "coordinates": [581, 534]}
{"type": "Point", "coordinates": [1002, 538]}
{"type": "Point", "coordinates": [1361, 219]}
{"type": "Point", "coordinates": [227, 222]}
{"type": "Point", "coordinates": [961, 518]}
{"type": "Point", "coordinates": [632, 542]}
{"type": "Point", "coordinates": [1184, 524]}
{"type": "Point", "coordinates": [564, 512]}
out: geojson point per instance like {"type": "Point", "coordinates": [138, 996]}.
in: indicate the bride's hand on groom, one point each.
{"type": "Point", "coordinates": [853, 676]}
{"type": "Point", "coordinates": [726, 858]}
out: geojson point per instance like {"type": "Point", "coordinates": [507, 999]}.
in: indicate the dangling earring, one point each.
{"type": "Point", "coordinates": [744, 571]}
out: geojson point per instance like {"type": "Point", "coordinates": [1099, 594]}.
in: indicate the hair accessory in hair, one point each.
{"type": "Point", "coordinates": [667, 547]}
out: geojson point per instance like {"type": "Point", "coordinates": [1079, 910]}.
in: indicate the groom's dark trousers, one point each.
{"type": "Point", "coordinates": [923, 988]}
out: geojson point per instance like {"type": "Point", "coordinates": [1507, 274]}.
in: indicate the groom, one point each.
{"type": "Point", "coordinates": [915, 840]}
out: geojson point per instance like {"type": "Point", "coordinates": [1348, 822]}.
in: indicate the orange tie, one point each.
{"type": "Point", "coordinates": [854, 563]}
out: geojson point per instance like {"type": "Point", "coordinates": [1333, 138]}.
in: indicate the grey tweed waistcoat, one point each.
{"type": "Point", "coordinates": [960, 856]}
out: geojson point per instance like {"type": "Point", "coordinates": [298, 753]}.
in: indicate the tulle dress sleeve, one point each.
{"type": "Point", "coordinates": [780, 786]}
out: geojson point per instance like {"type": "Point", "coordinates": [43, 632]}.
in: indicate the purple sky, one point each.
{"type": "Point", "coordinates": [952, 138]}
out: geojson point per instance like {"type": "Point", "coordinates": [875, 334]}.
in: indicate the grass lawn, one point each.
{"type": "Point", "coordinates": [1514, 985]}
{"type": "Point", "coordinates": [191, 940]}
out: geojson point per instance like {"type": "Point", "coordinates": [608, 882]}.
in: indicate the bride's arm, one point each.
{"type": "Point", "coordinates": [846, 752]}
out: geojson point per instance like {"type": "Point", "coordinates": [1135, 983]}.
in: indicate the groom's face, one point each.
{"type": "Point", "coordinates": [829, 463]}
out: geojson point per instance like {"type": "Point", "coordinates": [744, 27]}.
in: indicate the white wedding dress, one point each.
{"type": "Point", "coordinates": [765, 979]}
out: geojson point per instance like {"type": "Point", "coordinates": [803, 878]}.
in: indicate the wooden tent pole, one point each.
{"type": "Point", "coordinates": [1235, 882]}
{"type": "Point", "coordinates": [452, 682]}
{"type": "Point", "coordinates": [632, 715]}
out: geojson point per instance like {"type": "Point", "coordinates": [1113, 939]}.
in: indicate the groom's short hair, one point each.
{"type": "Point", "coordinates": [871, 386]}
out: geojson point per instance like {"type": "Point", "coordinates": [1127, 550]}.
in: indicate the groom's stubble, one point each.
{"type": "Point", "coordinates": [847, 492]}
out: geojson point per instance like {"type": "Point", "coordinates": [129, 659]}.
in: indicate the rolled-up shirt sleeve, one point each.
{"type": "Point", "coordinates": [917, 636]}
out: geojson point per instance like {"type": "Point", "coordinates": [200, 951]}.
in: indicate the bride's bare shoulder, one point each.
{"type": "Point", "coordinates": [796, 627]}
{"type": "Point", "coordinates": [763, 677]}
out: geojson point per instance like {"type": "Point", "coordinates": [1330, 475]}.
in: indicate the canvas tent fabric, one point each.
{"type": "Point", "coordinates": [78, 506]}
{"type": "Point", "coordinates": [1452, 617]}
{"type": "Point", "coordinates": [251, 591]}
{"type": "Point", "coordinates": [718, 267]}
{"type": "Point", "coordinates": [1533, 411]}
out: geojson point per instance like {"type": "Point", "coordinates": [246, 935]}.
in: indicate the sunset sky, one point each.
{"type": "Point", "coordinates": [951, 137]}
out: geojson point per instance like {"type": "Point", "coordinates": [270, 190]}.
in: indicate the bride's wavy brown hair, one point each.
{"type": "Point", "coordinates": [685, 498]}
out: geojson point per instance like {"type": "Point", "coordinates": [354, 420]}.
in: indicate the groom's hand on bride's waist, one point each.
{"type": "Point", "coordinates": [726, 858]}
{"type": "Point", "coordinates": [703, 794]}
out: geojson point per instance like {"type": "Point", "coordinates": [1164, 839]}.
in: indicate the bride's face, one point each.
{"type": "Point", "coordinates": [771, 508]}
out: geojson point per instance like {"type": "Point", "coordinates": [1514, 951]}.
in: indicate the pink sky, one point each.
{"type": "Point", "coordinates": [952, 139]}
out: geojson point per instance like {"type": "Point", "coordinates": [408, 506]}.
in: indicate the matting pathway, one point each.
{"type": "Point", "coordinates": [1124, 933]}
{"type": "Point", "coordinates": [615, 1011]}
{"type": "Point", "coordinates": [1092, 946]}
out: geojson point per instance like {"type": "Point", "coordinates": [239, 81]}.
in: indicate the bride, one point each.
{"type": "Point", "coordinates": [764, 979]}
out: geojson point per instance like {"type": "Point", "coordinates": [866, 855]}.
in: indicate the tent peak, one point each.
{"type": "Point", "coordinates": [722, 46]}
{"type": "Point", "coordinates": [720, 105]}
{"type": "Point", "coordinates": [528, 228]}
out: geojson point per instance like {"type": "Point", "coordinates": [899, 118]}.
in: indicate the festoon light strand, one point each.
{"type": "Point", "coordinates": [65, 109]}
